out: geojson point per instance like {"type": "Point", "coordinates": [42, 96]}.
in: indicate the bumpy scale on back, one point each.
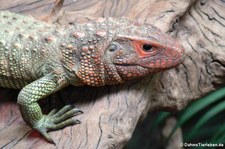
{"type": "Point", "coordinates": [43, 58]}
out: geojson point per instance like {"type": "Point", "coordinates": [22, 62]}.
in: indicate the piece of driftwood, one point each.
{"type": "Point", "coordinates": [112, 112]}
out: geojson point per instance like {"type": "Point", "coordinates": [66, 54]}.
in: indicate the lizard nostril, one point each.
{"type": "Point", "coordinates": [181, 50]}
{"type": "Point", "coordinates": [182, 53]}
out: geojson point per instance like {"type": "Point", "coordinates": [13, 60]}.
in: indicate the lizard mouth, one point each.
{"type": "Point", "coordinates": [151, 66]}
{"type": "Point", "coordinates": [119, 64]}
{"type": "Point", "coordinates": [161, 63]}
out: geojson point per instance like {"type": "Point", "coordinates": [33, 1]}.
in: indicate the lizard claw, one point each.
{"type": "Point", "coordinates": [57, 120]}
{"type": "Point", "coordinates": [47, 137]}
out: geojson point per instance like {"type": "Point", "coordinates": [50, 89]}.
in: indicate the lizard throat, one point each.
{"type": "Point", "coordinates": [106, 75]}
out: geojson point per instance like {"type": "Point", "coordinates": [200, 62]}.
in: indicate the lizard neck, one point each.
{"type": "Point", "coordinates": [83, 55]}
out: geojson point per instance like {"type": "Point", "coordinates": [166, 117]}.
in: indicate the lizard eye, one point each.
{"type": "Point", "coordinates": [113, 47]}
{"type": "Point", "coordinates": [147, 47]}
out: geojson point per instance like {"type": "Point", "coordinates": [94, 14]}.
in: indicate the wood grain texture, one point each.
{"type": "Point", "coordinates": [112, 112]}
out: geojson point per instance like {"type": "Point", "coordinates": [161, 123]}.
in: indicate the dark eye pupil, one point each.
{"type": "Point", "coordinates": [113, 47]}
{"type": "Point", "coordinates": [147, 47]}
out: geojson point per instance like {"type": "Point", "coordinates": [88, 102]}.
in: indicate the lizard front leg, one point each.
{"type": "Point", "coordinates": [31, 111]}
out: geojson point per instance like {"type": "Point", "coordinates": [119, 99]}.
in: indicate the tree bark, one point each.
{"type": "Point", "coordinates": [112, 112]}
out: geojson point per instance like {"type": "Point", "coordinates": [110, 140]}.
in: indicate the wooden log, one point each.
{"type": "Point", "coordinates": [112, 112]}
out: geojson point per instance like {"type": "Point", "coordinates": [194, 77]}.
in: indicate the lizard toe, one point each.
{"type": "Point", "coordinates": [63, 110]}
{"type": "Point", "coordinates": [52, 112]}
{"type": "Point", "coordinates": [69, 114]}
{"type": "Point", "coordinates": [46, 136]}
{"type": "Point", "coordinates": [63, 124]}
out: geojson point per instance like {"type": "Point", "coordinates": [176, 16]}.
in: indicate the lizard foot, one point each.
{"type": "Point", "coordinates": [57, 120]}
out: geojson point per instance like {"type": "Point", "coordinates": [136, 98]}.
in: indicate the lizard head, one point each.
{"type": "Point", "coordinates": [122, 49]}
{"type": "Point", "coordinates": [140, 49]}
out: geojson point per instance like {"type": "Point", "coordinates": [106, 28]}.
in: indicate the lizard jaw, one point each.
{"type": "Point", "coordinates": [131, 71]}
